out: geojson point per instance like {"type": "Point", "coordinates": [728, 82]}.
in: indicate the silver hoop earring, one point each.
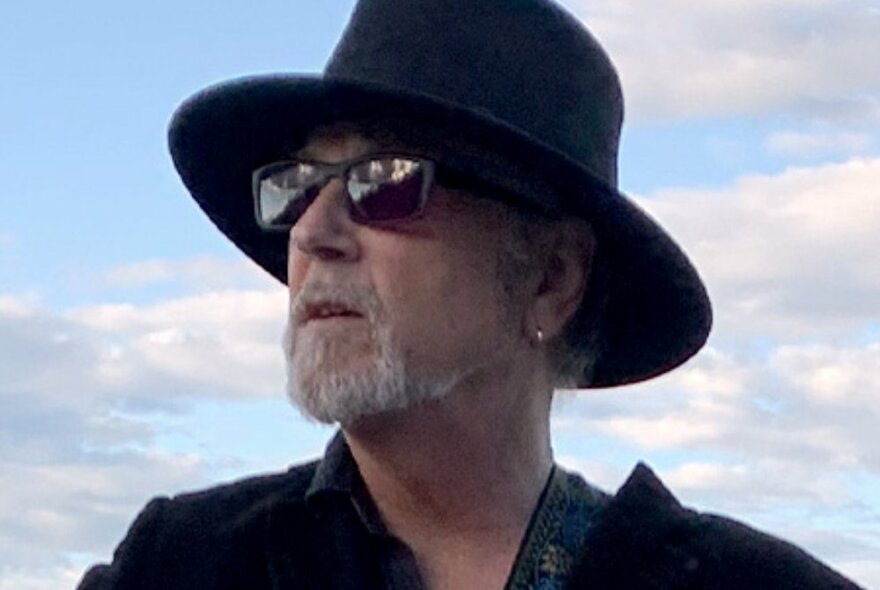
{"type": "Point", "coordinates": [540, 335]}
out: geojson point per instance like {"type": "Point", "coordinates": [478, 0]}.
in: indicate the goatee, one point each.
{"type": "Point", "coordinates": [342, 376]}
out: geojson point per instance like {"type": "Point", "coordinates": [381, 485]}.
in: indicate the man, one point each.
{"type": "Point", "coordinates": [442, 204]}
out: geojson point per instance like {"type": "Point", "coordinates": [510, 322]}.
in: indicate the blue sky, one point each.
{"type": "Point", "coordinates": [89, 91]}
{"type": "Point", "coordinates": [139, 350]}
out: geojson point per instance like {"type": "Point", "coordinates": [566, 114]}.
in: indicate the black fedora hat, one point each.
{"type": "Point", "coordinates": [532, 103]}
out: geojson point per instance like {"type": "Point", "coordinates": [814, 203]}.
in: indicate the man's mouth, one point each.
{"type": "Point", "coordinates": [325, 310]}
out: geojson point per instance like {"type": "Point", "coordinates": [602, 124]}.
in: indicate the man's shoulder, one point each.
{"type": "Point", "coordinates": [678, 547]}
{"type": "Point", "coordinates": [193, 539]}
{"type": "Point", "coordinates": [234, 504]}
{"type": "Point", "coordinates": [250, 493]}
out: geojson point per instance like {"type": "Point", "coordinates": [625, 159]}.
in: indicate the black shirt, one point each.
{"type": "Point", "coordinates": [337, 489]}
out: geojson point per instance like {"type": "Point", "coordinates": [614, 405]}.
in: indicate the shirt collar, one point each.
{"type": "Point", "coordinates": [338, 483]}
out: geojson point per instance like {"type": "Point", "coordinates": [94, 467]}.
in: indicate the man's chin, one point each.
{"type": "Point", "coordinates": [346, 417]}
{"type": "Point", "coordinates": [341, 398]}
{"type": "Point", "coordinates": [361, 399]}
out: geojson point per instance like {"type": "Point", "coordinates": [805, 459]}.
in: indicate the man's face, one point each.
{"type": "Point", "coordinates": [383, 318]}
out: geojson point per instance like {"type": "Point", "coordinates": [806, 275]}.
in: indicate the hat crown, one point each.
{"type": "Point", "coordinates": [526, 63]}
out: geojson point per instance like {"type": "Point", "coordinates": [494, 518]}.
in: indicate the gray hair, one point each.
{"type": "Point", "coordinates": [527, 249]}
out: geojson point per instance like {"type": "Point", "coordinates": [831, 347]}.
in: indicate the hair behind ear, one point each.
{"type": "Point", "coordinates": [528, 250]}
{"type": "Point", "coordinates": [573, 355]}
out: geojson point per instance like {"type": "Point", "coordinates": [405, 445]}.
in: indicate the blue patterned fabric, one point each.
{"type": "Point", "coordinates": [556, 534]}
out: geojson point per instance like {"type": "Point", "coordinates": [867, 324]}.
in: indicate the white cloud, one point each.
{"type": "Point", "coordinates": [683, 58]}
{"type": "Point", "coordinates": [669, 431]}
{"type": "Point", "coordinates": [84, 506]}
{"type": "Point", "coordinates": [52, 578]}
{"type": "Point", "coordinates": [703, 475]}
{"type": "Point", "coordinates": [83, 395]}
{"type": "Point", "coordinates": [602, 474]}
{"type": "Point", "coordinates": [866, 570]}
{"type": "Point", "coordinates": [202, 273]}
{"type": "Point", "coordinates": [71, 374]}
{"type": "Point", "coordinates": [58, 508]}
{"type": "Point", "coordinates": [802, 144]}
{"type": "Point", "coordinates": [756, 485]}
{"type": "Point", "coordinates": [786, 256]}
{"type": "Point", "coordinates": [832, 376]}
{"type": "Point", "coordinates": [784, 414]}
{"type": "Point", "coordinates": [16, 306]}
{"type": "Point", "coordinates": [217, 344]}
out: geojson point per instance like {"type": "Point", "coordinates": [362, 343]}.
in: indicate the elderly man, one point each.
{"type": "Point", "coordinates": [442, 205]}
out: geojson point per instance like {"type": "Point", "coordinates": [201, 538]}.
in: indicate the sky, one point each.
{"type": "Point", "coordinates": [140, 352]}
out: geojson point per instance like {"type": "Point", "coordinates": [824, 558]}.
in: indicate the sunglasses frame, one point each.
{"type": "Point", "coordinates": [341, 170]}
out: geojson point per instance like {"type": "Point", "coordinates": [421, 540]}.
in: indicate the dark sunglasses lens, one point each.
{"type": "Point", "coordinates": [285, 194]}
{"type": "Point", "coordinates": [386, 189]}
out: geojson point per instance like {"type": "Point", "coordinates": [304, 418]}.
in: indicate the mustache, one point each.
{"type": "Point", "coordinates": [358, 298]}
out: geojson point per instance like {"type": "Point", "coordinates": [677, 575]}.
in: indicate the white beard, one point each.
{"type": "Point", "coordinates": [323, 388]}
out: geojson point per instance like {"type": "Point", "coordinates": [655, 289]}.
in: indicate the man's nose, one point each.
{"type": "Point", "coordinates": [325, 229]}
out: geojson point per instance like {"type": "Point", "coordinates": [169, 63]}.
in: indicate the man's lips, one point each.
{"type": "Point", "coordinates": [325, 310]}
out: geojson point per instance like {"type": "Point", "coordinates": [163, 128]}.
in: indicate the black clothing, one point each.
{"type": "Point", "coordinates": [315, 527]}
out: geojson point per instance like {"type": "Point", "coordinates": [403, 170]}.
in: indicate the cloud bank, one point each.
{"type": "Point", "coordinates": [685, 59]}
{"type": "Point", "coordinates": [789, 256]}
{"type": "Point", "coordinates": [82, 397]}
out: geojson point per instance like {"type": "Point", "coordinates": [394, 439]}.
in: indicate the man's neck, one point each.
{"type": "Point", "coordinates": [458, 479]}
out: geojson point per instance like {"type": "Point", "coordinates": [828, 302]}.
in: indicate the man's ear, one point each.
{"type": "Point", "coordinates": [566, 269]}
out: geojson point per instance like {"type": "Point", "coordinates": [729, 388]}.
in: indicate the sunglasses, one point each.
{"type": "Point", "coordinates": [379, 188]}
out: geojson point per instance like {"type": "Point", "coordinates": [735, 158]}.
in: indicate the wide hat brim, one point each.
{"type": "Point", "coordinates": [658, 313]}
